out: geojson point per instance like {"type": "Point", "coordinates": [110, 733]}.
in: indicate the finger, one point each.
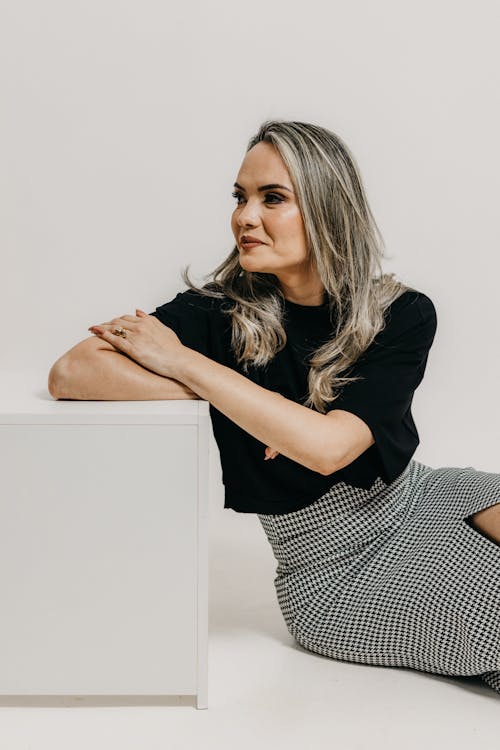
{"type": "Point", "coordinates": [106, 327]}
{"type": "Point", "coordinates": [123, 318]}
{"type": "Point", "coordinates": [270, 453]}
{"type": "Point", "coordinates": [127, 322]}
{"type": "Point", "coordinates": [118, 341]}
{"type": "Point", "coordinates": [131, 318]}
{"type": "Point", "coordinates": [115, 322]}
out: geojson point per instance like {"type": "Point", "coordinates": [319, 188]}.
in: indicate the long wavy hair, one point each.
{"type": "Point", "coordinates": [346, 247]}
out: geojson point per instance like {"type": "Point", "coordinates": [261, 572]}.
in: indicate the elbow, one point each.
{"type": "Point", "coordinates": [329, 466]}
{"type": "Point", "coordinates": [56, 379]}
{"type": "Point", "coordinates": [325, 472]}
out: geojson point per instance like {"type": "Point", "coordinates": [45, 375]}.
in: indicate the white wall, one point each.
{"type": "Point", "coordinates": [123, 125]}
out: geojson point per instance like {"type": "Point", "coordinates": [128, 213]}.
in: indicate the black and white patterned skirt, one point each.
{"type": "Point", "coordinates": [395, 575]}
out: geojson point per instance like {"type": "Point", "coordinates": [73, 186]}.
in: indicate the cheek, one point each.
{"type": "Point", "coordinates": [290, 223]}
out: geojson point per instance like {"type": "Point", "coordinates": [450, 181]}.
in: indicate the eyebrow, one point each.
{"type": "Point", "coordinates": [265, 187]}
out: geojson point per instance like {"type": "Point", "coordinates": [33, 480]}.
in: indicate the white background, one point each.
{"type": "Point", "coordinates": [122, 128]}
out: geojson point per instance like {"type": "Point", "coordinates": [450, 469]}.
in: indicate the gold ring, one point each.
{"type": "Point", "coordinates": [120, 332]}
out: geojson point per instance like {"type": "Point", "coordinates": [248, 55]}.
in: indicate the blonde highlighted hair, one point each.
{"type": "Point", "coordinates": [344, 245]}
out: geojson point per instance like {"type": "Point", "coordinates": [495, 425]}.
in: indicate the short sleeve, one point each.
{"type": "Point", "coordinates": [392, 368]}
{"type": "Point", "coordinates": [188, 315]}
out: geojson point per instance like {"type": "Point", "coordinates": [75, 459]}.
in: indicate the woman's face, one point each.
{"type": "Point", "coordinates": [272, 216]}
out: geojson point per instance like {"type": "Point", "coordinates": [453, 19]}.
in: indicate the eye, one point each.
{"type": "Point", "coordinates": [236, 194]}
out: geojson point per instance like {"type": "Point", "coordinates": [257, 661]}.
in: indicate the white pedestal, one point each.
{"type": "Point", "coordinates": [103, 544]}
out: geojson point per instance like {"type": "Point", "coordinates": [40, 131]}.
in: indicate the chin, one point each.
{"type": "Point", "coordinates": [256, 268]}
{"type": "Point", "coordinates": [248, 259]}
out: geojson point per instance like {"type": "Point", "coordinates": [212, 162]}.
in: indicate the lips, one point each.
{"type": "Point", "coordinates": [247, 239]}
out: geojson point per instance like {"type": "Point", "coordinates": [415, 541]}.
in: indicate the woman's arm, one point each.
{"type": "Point", "coordinates": [301, 434]}
{"type": "Point", "coordinates": [95, 370]}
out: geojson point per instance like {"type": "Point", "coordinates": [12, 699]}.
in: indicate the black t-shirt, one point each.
{"type": "Point", "coordinates": [392, 366]}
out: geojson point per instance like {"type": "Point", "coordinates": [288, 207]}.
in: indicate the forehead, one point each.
{"type": "Point", "coordinates": [263, 164]}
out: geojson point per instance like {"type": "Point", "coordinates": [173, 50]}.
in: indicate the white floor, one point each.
{"type": "Point", "coordinates": [264, 689]}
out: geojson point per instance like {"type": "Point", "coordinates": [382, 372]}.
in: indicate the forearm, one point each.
{"type": "Point", "coordinates": [294, 430]}
{"type": "Point", "coordinates": [111, 376]}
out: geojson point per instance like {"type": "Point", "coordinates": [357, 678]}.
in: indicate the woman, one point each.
{"type": "Point", "coordinates": [310, 356]}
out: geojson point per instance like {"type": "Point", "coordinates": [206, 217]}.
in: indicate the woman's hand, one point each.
{"type": "Point", "coordinates": [270, 453]}
{"type": "Point", "coordinates": [148, 341]}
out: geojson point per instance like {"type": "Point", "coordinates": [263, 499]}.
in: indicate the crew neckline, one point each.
{"type": "Point", "coordinates": [305, 307]}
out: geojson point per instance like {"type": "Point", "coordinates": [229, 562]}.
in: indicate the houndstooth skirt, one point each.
{"type": "Point", "coordinates": [395, 575]}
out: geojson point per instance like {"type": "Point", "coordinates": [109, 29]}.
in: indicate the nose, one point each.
{"type": "Point", "coordinates": [247, 216]}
